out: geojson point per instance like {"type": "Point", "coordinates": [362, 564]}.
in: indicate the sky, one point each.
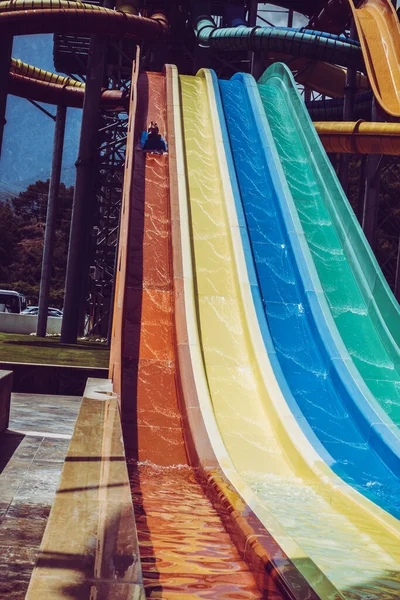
{"type": "Point", "coordinates": [28, 134]}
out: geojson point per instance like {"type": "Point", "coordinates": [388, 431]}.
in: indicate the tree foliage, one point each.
{"type": "Point", "coordinates": [22, 227]}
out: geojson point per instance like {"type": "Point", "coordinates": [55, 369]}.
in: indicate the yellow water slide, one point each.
{"type": "Point", "coordinates": [379, 33]}
{"type": "Point", "coordinates": [342, 544]}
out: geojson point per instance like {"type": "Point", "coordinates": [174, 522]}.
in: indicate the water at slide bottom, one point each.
{"type": "Point", "coordinates": [353, 552]}
{"type": "Point", "coordinates": [329, 539]}
{"type": "Point", "coordinates": [185, 550]}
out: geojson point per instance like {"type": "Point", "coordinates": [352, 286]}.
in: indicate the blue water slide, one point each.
{"type": "Point", "coordinates": [311, 364]}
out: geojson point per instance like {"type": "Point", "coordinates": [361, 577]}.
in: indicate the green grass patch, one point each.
{"type": "Point", "coordinates": [50, 351]}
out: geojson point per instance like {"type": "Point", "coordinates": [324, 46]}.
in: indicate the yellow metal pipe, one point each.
{"type": "Point", "coordinates": [360, 137]}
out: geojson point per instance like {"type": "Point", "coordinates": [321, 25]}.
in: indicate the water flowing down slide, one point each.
{"type": "Point", "coordinates": [379, 33]}
{"type": "Point", "coordinates": [343, 545]}
{"type": "Point", "coordinates": [361, 303]}
{"type": "Point", "coordinates": [310, 360]}
{"type": "Point", "coordinates": [184, 548]}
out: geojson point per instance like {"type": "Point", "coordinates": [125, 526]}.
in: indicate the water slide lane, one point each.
{"type": "Point", "coordinates": [309, 359]}
{"type": "Point", "coordinates": [362, 304]}
{"type": "Point", "coordinates": [184, 547]}
{"type": "Point", "coordinates": [379, 33]}
{"type": "Point", "coordinates": [349, 541]}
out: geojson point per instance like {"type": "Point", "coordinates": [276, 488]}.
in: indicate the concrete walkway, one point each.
{"type": "Point", "coordinates": [32, 453]}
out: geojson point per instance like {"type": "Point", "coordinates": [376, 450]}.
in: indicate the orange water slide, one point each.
{"type": "Point", "coordinates": [185, 550]}
{"type": "Point", "coordinates": [379, 32]}
{"type": "Point", "coordinates": [149, 392]}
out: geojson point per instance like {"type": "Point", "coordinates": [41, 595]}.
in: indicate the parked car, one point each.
{"type": "Point", "coordinates": [51, 312]}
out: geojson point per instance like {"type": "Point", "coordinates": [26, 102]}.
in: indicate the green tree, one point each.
{"type": "Point", "coordinates": [9, 238]}
{"type": "Point", "coordinates": [24, 218]}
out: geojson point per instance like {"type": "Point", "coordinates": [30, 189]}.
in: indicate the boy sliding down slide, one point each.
{"type": "Point", "coordinates": [152, 141]}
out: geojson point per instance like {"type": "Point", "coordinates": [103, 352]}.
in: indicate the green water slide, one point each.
{"type": "Point", "coordinates": [363, 307]}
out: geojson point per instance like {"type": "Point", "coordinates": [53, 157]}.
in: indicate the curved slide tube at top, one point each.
{"type": "Point", "coordinates": [20, 68]}
{"type": "Point", "coordinates": [27, 81]}
{"type": "Point", "coordinates": [360, 137]}
{"type": "Point", "coordinates": [24, 17]}
{"type": "Point", "coordinates": [361, 302]}
{"type": "Point", "coordinates": [36, 84]}
{"type": "Point", "coordinates": [53, 93]}
{"type": "Point", "coordinates": [310, 361]}
{"type": "Point", "coordinates": [379, 33]}
{"type": "Point", "coordinates": [260, 436]}
{"type": "Point", "coordinates": [293, 42]}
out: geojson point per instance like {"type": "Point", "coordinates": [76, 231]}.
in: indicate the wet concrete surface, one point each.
{"type": "Point", "coordinates": [32, 453]}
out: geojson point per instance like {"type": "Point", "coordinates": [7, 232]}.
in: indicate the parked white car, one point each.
{"type": "Point", "coordinates": [51, 312]}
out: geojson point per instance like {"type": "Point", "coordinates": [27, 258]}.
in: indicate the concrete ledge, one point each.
{"type": "Point", "coordinates": [32, 378]}
{"type": "Point", "coordinates": [26, 324]}
{"type": "Point", "coordinates": [6, 379]}
{"type": "Point", "coordinates": [90, 547]}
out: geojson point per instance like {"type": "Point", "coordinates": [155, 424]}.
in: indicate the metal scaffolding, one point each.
{"type": "Point", "coordinates": [70, 53]}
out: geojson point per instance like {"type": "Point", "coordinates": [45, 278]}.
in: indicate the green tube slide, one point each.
{"type": "Point", "coordinates": [361, 302]}
{"type": "Point", "coordinates": [295, 42]}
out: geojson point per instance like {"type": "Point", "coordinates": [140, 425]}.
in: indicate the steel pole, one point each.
{"type": "Point", "coordinates": [6, 43]}
{"type": "Point", "coordinates": [82, 209]}
{"type": "Point", "coordinates": [49, 236]}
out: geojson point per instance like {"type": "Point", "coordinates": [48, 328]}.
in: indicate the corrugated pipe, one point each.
{"type": "Point", "coordinates": [53, 93]}
{"type": "Point", "coordinates": [360, 137]}
{"type": "Point", "coordinates": [296, 42]}
{"type": "Point", "coordinates": [20, 68]}
{"type": "Point", "coordinates": [46, 16]}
